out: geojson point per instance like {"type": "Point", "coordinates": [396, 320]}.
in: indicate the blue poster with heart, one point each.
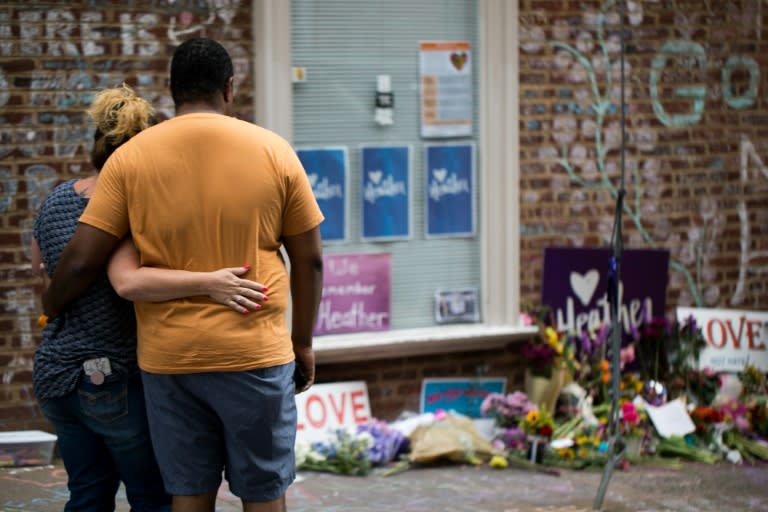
{"type": "Point", "coordinates": [327, 172]}
{"type": "Point", "coordinates": [385, 192]}
{"type": "Point", "coordinates": [449, 190]}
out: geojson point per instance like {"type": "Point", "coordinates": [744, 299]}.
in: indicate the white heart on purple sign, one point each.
{"type": "Point", "coordinates": [584, 286]}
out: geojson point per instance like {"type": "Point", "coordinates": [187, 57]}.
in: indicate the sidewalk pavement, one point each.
{"type": "Point", "coordinates": [641, 488]}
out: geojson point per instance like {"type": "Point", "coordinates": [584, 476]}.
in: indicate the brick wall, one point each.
{"type": "Point", "coordinates": [394, 385]}
{"type": "Point", "coordinates": [53, 56]}
{"type": "Point", "coordinates": [696, 141]}
{"type": "Point", "coordinates": [696, 126]}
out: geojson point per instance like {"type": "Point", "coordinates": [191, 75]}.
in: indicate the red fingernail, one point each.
{"type": "Point", "coordinates": [265, 298]}
{"type": "Point", "coordinates": [247, 266]}
{"type": "Point", "coordinates": [264, 290]}
{"type": "Point", "coordinates": [246, 311]}
{"type": "Point", "coordinates": [258, 306]}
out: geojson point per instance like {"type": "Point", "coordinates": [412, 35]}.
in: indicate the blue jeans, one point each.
{"type": "Point", "coordinates": [103, 438]}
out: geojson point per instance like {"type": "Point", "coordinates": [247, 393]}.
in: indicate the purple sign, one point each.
{"type": "Point", "coordinates": [575, 286]}
{"type": "Point", "coordinates": [356, 293]}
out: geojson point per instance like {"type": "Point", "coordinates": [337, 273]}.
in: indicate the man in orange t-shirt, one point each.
{"type": "Point", "coordinates": [199, 192]}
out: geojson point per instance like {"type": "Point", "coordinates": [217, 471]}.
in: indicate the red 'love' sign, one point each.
{"type": "Point", "coordinates": [325, 407]}
{"type": "Point", "coordinates": [734, 338]}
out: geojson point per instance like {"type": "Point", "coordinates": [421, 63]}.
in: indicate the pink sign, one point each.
{"type": "Point", "coordinates": [356, 293]}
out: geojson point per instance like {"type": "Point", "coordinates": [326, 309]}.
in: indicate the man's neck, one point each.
{"type": "Point", "coordinates": [199, 108]}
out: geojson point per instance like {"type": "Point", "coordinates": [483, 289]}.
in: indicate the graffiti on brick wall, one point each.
{"type": "Point", "coordinates": [587, 134]}
{"type": "Point", "coordinates": [752, 171]}
{"type": "Point", "coordinates": [23, 303]}
{"type": "Point", "coordinates": [71, 46]}
{"type": "Point", "coordinates": [52, 60]}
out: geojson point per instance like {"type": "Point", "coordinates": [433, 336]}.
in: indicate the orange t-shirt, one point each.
{"type": "Point", "coordinates": [200, 192]}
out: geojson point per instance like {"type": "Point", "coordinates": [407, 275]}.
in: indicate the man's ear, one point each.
{"type": "Point", "coordinates": [229, 91]}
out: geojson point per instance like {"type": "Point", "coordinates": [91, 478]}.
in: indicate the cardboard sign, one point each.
{"type": "Point", "coordinates": [327, 172]}
{"type": "Point", "coordinates": [575, 286]}
{"type": "Point", "coordinates": [326, 407]}
{"type": "Point", "coordinates": [356, 293]}
{"type": "Point", "coordinates": [463, 395]}
{"type": "Point", "coordinates": [734, 338]}
{"type": "Point", "coordinates": [448, 187]}
{"type": "Point", "coordinates": [386, 192]}
{"type": "Point", "coordinates": [671, 419]}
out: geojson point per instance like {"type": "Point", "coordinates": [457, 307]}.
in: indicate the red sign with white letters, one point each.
{"type": "Point", "coordinates": [326, 407]}
{"type": "Point", "coordinates": [734, 338]}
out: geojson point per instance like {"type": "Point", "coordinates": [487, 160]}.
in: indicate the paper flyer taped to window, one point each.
{"type": "Point", "coordinates": [446, 89]}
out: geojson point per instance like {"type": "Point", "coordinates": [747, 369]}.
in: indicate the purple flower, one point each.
{"type": "Point", "coordinates": [513, 437]}
{"type": "Point", "coordinates": [586, 343]}
{"type": "Point", "coordinates": [602, 334]}
{"type": "Point", "coordinates": [387, 443]}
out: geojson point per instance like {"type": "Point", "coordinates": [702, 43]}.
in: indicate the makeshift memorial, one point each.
{"type": "Point", "coordinates": [549, 359]}
{"type": "Point", "coordinates": [632, 426]}
{"type": "Point", "coordinates": [343, 451]}
{"type": "Point", "coordinates": [352, 450]}
{"type": "Point", "coordinates": [539, 426]}
{"type": "Point", "coordinates": [385, 443]}
{"type": "Point", "coordinates": [449, 438]}
{"type": "Point", "coordinates": [683, 347]}
{"type": "Point", "coordinates": [508, 412]}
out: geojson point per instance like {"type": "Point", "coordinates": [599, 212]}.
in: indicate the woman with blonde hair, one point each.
{"type": "Point", "coordinates": [85, 377]}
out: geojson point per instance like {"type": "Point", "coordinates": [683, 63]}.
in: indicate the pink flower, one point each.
{"type": "Point", "coordinates": [526, 319]}
{"type": "Point", "coordinates": [627, 355]}
{"type": "Point", "coordinates": [629, 413]}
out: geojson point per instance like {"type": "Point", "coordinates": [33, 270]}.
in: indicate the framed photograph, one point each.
{"type": "Point", "coordinates": [456, 305]}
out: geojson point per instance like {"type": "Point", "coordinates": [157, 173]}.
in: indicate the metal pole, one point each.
{"type": "Point", "coordinates": [615, 441]}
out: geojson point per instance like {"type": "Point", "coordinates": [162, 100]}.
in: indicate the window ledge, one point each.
{"type": "Point", "coordinates": [412, 342]}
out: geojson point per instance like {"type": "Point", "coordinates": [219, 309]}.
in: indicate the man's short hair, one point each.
{"type": "Point", "coordinates": [200, 69]}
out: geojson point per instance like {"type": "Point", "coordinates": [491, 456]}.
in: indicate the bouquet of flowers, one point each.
{"type": "Point", "coordinates": [345, 452]}
{"type": "Point", "coordinates": [549, 350]}
{"type": "Point", "coordinates": [508, 411]}
{"type": "Point", "coordinates": [538, 422]}
{"type": "Point", "coordinates": [385, 443]}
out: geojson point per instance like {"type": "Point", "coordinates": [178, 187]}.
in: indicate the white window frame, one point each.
{"type": "Point", "coordinates": [499, 192]}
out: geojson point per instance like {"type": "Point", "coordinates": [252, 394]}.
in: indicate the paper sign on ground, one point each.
{"type": "Point", "coordinates": [463, 395]}
{"type": "Point", "coordinates": [671, 419]}
{"type": "Point", "coordinates": [326, 407]}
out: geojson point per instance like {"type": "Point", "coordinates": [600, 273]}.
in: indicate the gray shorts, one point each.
{"type": "Point", "coordinates": [241, 423]}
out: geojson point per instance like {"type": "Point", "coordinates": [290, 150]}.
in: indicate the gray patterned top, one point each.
{"type": "Point", "coordinates": [98, 324]}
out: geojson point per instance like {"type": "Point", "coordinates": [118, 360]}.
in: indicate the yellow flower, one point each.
{"type": "Point", "coordinates": [566, 453]}
{"type": "Point", "coordinates": [551, 335]}
{"type": "Point", "coordinates": [604, 366]}
{"type": "Point", "coordinates": [583, 452]}
{"type": "Point", "coordinates": [532, 417]}
{"type": "Point", "coordinates": [582, 440]}
{"type": "Point", "coordinates": [638, 386]}
{"type": "Point", "coordinates": [42, 321]}
{"type": "Point", "coordinates": [499, 462]}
